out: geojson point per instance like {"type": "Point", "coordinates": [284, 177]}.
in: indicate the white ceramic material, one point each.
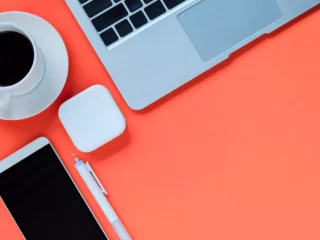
{"type": "Point", "coordinates": [48, 75]}
{"type": "Point", "coordinates": [34, 76]}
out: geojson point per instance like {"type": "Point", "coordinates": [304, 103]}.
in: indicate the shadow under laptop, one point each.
{"type": "Point", "coordinates": [226, 63]}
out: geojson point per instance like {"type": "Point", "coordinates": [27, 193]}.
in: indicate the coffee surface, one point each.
{"type": "Point", "coordinates": [16, 57]}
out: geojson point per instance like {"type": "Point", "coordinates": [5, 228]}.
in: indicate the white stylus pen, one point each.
{"type": "Point", "coordinates": [98, 191]}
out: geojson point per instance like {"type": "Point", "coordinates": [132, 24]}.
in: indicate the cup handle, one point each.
{"type": "Point", "coordinates": [4, 101]}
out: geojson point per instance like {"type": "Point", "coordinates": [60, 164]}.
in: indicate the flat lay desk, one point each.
{"type": "Point", "coordinates": [233, 155]}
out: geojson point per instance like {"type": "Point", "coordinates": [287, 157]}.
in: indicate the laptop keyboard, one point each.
{"type": "Point", "coordinates": [115, 19]}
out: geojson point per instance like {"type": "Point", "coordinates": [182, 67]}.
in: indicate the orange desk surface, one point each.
{"type": "Point", "coordinates": [235, 154]}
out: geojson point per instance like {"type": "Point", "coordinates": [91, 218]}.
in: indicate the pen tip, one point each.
{"type": "Point", "coordinates": [75, 157]}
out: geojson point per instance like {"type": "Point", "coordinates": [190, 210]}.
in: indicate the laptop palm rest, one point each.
{"type": "Point", "coordinates": [215, 26]}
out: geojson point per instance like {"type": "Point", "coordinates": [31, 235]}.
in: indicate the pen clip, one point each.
{"type": "Point", "coordinates": [96, 178]}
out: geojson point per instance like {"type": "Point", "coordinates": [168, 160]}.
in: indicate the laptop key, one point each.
{"type": "Point", "coordinates": [147, 1]}
{"type": "Point", "coordinates": [155, 10]}
{"type": "Point", "coordinates": [133, 5]}
{"type": "Point", "coordinates": [110, 17]}
{"type": "Point", "coordinates": [172, 3]}
{"type": "Point", "coordinates": [83, 1]}
{"type": "Point", "coordinates": [124, 28]}
{"type": "Point", "coordinates": [96, 6]}
{"type": "Point", "coordinates": [109, 37]}
{"type": "Point", "coordinates": [138, 19]}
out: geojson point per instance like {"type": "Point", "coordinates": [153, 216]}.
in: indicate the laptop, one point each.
{"type": "Point", "coordinates": [152, 47]}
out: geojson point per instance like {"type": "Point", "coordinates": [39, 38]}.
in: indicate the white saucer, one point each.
{"type": "Point", "coordinates": [57, 65]}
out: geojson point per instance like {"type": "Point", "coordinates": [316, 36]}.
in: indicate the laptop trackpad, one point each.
{"type": "Point", "coordinates": [215, 26]}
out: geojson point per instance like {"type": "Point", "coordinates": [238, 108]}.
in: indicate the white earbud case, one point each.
{"type": "Point", "coordinates": [92, 118]}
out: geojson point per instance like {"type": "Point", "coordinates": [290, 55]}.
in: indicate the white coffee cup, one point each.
{"type": "Point", "coordinates": [33, 77]}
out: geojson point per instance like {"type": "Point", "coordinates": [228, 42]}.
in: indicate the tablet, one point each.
{"type": "Point", "coordinates": [42, 198]}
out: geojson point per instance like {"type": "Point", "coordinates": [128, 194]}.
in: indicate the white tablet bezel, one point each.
{"type": "Point", "coordinates": [23, 153]}
{"type": "Point", "coordinates": [28, 150]}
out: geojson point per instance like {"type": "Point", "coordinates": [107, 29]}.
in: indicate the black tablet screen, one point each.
{"type": "Point", "coordinates": [44, 202]}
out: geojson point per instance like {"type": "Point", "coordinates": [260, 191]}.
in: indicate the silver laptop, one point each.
{"type": "Point", "coordinates": [152, 47]}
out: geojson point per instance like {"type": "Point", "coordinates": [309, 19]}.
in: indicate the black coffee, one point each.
{"type": "Point", "coordinates": [16, 57]}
